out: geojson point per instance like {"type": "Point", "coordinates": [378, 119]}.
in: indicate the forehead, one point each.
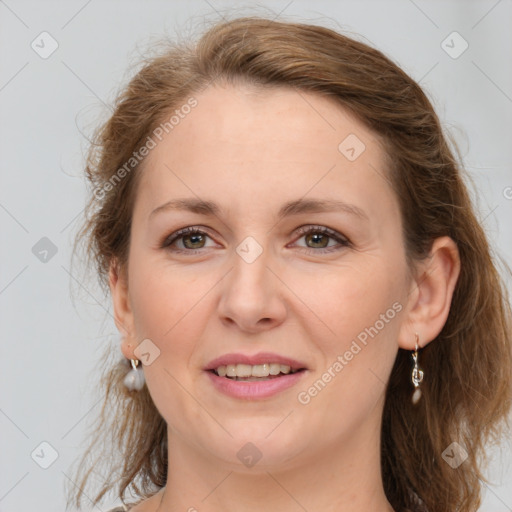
{"type": "Point", "coordinates": [254, 143]}
{"type": "Point", "coordinates": [241, 117]}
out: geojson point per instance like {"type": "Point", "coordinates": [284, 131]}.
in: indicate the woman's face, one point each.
{"type": "Point", "coordinates": [270, 265]}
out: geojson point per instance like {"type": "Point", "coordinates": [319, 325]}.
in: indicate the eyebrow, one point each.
{"type": "Point", "coordinates": [290, 208]}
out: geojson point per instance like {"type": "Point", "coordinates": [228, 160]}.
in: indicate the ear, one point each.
{"type": "Point", "coordinates": [430, 295]}
{"type": "Point", "coordinates": [123, 315]}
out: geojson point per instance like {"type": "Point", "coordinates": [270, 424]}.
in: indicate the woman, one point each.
{"type": "Point", "coordinates": [310, 315]}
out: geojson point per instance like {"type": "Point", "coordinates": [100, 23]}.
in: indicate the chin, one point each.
{"type": "Point", "coordinates": [253, 451]}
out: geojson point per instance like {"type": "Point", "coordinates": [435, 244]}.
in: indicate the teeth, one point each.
{"type": "Point", "coordinates": [257, 370]}
{"type": "Point", "coordinates": [275, 369]}
{"type": "Point", "coordinates": [243, 370]}
{"type": "Point", "coordinates": [260, 370]}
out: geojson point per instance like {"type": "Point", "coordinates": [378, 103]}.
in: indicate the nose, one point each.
{"type": "Point", "coordinates": [252, 296]}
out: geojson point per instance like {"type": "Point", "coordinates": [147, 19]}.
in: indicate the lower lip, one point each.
{"type": "Point", "coordinates": [254, 389]}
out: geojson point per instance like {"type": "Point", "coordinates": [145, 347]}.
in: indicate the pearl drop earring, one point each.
{"type": "Point", "coordinates": [135, 379]}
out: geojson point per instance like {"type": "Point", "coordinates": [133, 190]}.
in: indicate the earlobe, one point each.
{"type": "Point", "coordinates": [431, 294]}
{"type": "Point", "coordinates": [127, 349]}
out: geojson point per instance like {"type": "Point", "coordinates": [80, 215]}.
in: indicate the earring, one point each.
{"type": "Point", "coordinates": [417, 375]}
{"type": "Point", "coordinates": [134, 379]}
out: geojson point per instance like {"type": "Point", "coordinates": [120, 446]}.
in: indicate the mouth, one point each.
{"type": "Point", "coordinates": [253, 373]}
{"type": "Point", "coordinates": [257, 376]}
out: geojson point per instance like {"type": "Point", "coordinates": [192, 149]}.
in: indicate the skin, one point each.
{"type": "Point", "coordinates": [251, 150]}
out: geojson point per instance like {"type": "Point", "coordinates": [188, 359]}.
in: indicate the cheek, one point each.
{"type": "Point", "coordinates": [362, 311]}
{"type": "Point", "coordinates": [171, 307]}
{"type": "Point", "coordinates": [151, 307]}
{"type": "Point", "coordinates": [350, 299]}
{"type": "Point", "coordinates": [166, 309]}
{"type": "Point", "coordinates": [163, 296]}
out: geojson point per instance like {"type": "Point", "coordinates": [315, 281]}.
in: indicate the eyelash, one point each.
{"type": "Point", "coordinates": [302, 231]}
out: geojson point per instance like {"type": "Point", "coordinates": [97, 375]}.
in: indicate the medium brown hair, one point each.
{"type": "Point", "coordinates": [467, 395]}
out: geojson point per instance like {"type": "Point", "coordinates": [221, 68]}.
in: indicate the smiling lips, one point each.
{"type": "Point", "coordinates": [257, 376]}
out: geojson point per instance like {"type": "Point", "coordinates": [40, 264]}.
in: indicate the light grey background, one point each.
{"type": "Point", "coordinates": [50, 346]}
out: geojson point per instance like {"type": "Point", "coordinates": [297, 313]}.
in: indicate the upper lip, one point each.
{"type": "Point", "coordinates": [260, 358]}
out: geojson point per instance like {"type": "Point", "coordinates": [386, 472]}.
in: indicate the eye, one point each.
{"type": "Point", "coordinates": [188, 240]}
{"type": "Point", "coordinates": [318, 239]}
{"type": "Point", "coordinates": [192, 240]}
